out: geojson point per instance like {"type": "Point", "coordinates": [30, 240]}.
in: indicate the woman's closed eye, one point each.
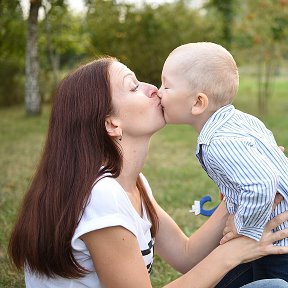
{"type": "Point", "coordinates": [135, 88]}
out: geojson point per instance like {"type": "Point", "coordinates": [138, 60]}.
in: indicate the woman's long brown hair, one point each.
{"type": "Point", "coordinates": [76, 147]}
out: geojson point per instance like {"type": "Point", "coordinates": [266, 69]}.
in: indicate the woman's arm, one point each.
{"type": "Point", "coordinates": [241, 250]}
{"type": "Point", "coordinates": [118, 261]}
{"type": "Point", "coordinates": [188, 252]}
{"type": "Point", "coordinates": [117, 258]}
{"type": "Point", "coordinates": [181, 252]}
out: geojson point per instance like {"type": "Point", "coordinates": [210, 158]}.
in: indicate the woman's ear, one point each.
{"type": "Point", "coordinates": [200, 104]}
{"type": "Point", "coordinates": [112, 127]}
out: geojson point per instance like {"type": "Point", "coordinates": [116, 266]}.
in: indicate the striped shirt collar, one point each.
{"type": "Point", "coordinates": [213, 123]}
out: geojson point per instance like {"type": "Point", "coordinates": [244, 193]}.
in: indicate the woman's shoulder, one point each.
{"type": "Point", "coordinates": [107, 206]}
{"type": "Point", "coordinates": [107, 186]}
{"type": "Point", "coordinates": [105, 182]}
{"type": "Point", "coordinates": [107, 192]}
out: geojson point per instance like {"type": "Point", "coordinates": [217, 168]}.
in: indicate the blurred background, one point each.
{"type": "Point", "coordinates": [58, 35]}
{"type": "Point", "coordinates": [40, 41]}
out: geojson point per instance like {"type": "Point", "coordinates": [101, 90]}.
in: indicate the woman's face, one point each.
{"type": "Point", "coordinates": [136, 104]}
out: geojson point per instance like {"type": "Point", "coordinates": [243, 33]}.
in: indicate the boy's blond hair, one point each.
{"type": "Point", "coordinates": [210, 69]}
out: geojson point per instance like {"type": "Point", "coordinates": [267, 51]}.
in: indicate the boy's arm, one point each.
{"type": "Point", "coordinates": [230, 231]}
{"type": "Point", "coordinates": [238, 163]}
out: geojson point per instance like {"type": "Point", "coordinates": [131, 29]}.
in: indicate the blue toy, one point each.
{"type": "Point", "coordinates": [197, 208]}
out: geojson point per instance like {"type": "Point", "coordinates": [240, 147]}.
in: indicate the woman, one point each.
{"type": "Point", "coordinates": [89, 218]}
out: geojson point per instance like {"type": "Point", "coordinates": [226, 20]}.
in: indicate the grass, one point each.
{"type": "Point", "coordinates": [21, 141]}
{"type": "Point", "coordinates": [172, 169]}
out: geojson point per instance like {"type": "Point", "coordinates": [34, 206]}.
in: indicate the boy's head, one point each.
{"type": "Point", "coordinates": [197, 79]}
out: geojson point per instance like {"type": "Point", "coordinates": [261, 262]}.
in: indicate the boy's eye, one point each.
{"type": "Point", "coordinates": [134, 89]}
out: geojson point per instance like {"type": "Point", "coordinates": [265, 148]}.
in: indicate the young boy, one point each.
{"type": "Point", "coordinates": [199, 83]}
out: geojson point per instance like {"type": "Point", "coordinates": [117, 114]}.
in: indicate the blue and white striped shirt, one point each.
{"type": "Point", "coordinates": [242, 157]}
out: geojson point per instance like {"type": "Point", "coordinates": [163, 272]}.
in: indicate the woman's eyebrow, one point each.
{"type": "Point", "coordinates": [128, 74]}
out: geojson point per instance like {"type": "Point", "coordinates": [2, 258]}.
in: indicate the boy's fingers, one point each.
{"type": "Point", "coordinates": [226, 231]}
{"type": "Point", "coordinates": [277, 200]}
{"type": "Point", "coordinates": [229, 236]}
{"type": "Point", "coordinates": [282, 148]}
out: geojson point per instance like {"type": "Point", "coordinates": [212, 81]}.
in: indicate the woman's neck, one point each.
{"type": "Point", "coordinates": [134, 155]}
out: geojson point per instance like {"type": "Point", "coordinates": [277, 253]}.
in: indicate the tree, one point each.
{"type": "Point", "coordinates": [264, 35]}
{"type": "Point", "coordinates": [12, 42]}
{"type": "Point", "coordinates": [227, 11]}
{"type": "Point", "coordinates": [32, 95]}
{"type": "Point", "coordinates": [142, 37]}
{"type": "Point", "coordinates": [62, 41]}
{"type": "Point", "coordinates": [153, 32]}
{"type": "Point", "coordinates": [105, 27]}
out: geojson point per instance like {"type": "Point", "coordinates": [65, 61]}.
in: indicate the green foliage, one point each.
{"type": "Point", "coordinates": [61, 33]}
{"type": "Point", "coordinates": [12, 51]}
{"type": "Point", "coordinates": [227, 11]}
{"type": "Point", "coordinates": [158, 31]}
{"type": "Point", "coordinates": [62, 42]}
{"type": "Point", "coordinates": [142, 37]}
{"type": "Point", "coordinates": [12, 32]}
{"type": "Point", "coordinates": [263, 34]}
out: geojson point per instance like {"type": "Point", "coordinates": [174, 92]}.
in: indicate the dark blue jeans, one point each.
{"type": "Point", "coordinates": [267, 283]}
{"type": "Point", "coordinates": [268, 267]}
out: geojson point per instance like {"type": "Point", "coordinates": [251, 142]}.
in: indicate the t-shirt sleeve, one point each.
{"type": "Point", "coordinates": [108, 206]}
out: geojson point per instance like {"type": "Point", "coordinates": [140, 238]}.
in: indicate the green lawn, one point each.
{"type": "Point", "coordinates": [174, 174]}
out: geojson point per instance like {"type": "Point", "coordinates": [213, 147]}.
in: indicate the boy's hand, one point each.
{"type": "Point", "coordinates": [229, 231]}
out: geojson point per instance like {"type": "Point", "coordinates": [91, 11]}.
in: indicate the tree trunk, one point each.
{"type": "Point", "coordinates": [32, 95]}
{"type": "Point", "coordinates": [53, 56]}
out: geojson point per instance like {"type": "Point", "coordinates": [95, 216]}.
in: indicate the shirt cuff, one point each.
{"type": "Point", "coordinates": [251, 232]}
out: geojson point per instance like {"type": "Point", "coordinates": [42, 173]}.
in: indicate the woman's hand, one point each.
{"type": "Point", "coordinates": [249, 249]}
{"type": "Point", "coordinates": [230, 231]}
{"type": "Point", "coordinates": [232, 253]}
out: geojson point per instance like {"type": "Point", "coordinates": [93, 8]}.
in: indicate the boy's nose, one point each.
{"type": "Point", "coordinates": [159, 94]}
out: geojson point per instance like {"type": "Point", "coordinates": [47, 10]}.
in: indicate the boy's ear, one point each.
{"type": "Point", "coordinates": [200, 104]}
{"type": "Point", "coordinates": [112, 127]}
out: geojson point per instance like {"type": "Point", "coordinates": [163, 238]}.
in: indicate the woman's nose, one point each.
{"type": "Point", "coordinates": [152, 91]}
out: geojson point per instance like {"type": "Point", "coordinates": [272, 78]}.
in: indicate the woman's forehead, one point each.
{"type": "Point", "coordinates": [119, 70]}
{"type": "Point", "coordinates": [118, 73]}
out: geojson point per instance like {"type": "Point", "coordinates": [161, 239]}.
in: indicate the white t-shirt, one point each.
{"type": "Point", "coordinates": [108, 206]}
